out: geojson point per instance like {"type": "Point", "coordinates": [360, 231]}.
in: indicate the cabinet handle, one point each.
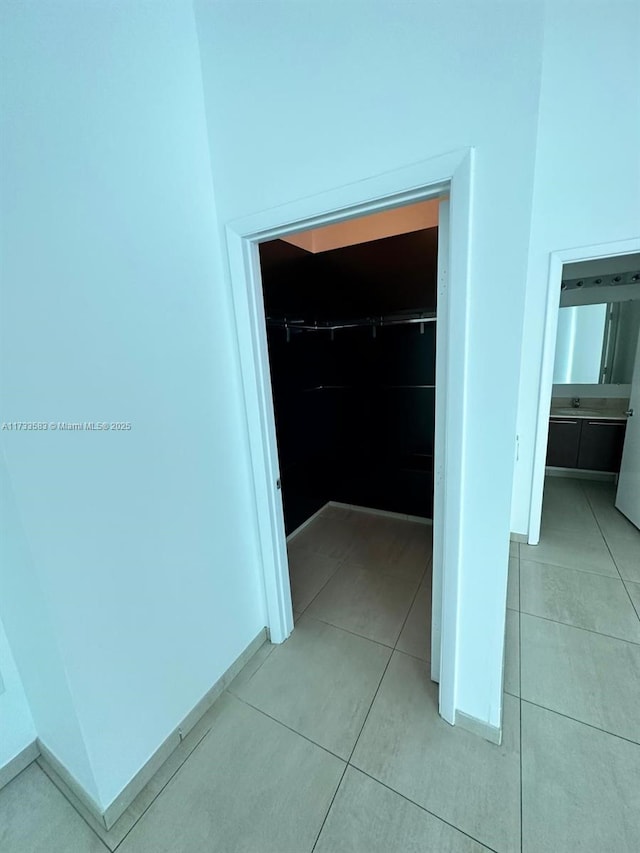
{"type": "Point", "coordinates": [606, 423]}
{"type": "Point", "coordinates": [561, 421]}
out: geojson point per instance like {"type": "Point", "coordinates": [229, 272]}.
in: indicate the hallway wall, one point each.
{"type": "Point", "coordinates": [112, 311]}
{"type": "Point", "coordinates": [587, 177]}
{"type": "Point", "coordinates": [17, 730]}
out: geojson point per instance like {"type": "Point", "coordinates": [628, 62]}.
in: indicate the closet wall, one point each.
{"type": "Point", "coordinates": [354, 411]}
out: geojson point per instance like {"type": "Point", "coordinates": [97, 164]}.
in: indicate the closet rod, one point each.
{"type": "Point", "coordinates": [371, 387]}
{"type": "Point", "coordinates": [285, 324]}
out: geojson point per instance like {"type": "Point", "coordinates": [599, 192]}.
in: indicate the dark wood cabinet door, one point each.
{"type": "Point", "coordinates": [601, 445]}
{"type": "Point", "coordinates": [564, 441]}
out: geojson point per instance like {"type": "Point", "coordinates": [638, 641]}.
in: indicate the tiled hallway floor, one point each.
{"type": "Point", "coordinates": [332, 742]}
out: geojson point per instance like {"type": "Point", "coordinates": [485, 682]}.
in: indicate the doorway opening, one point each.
{"type": "Point", "coordinates": [351, 320]}
{"type": "Point", "coordinates": [449, 174]}
{"type": "Point", "coordinates": [578, 589]}
{"type": "Point", "coordinates": [590, 379]}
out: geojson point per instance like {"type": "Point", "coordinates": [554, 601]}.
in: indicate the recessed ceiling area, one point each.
{"type": "Point", "coordinates": [380, 264]}
{"type": "Point", "coordinates": [388, 223]}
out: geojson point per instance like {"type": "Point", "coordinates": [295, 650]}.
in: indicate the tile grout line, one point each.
{"type": "Point", "coordinates": [604, 538]}
{"type": "Point", "coordinates": [580, 627]}
{"type": "Point", "coordinates": [606, 542]}
{"type": "Point", "coordinates": [262, 663]}
{"type": "Point", "coordinates": [348, 631]}
{"type": "Point", "coordinates": [289, 728]}
{"type": "Point", "coordinates": [615, 562]}
{"type": "Point", "coordinates": [104, 843]}
{"type": "Point", "coordinates": [625, 582]}
{"type": "Point", "coordinates": [581, 722]}
{"type": "Point", "coordinates": [324, 820]}
{"type": "Point", "coordinates": [341, 561]}
{"type": "Point", "coordinates": [348, 763]}
{"type": "Point", "coordinates": [173, 775]}
{"type": "Point", "coordinates": [380, 684]}
{"type": "Point", "coordinates": [571, 568]}
{"type": "Point", "coordinates": [67, 800]}
{"type": "Point", "coordinates": [362, 637]}
{"type": "Point", "coordinates": [385, 671]}
{"type": "Point", "coordinates": [413, 601]}
{"type": "Point", "coordinates": [392, 650]}
{"type": "Point", "coordinates": [422, 808]}
{"type": "Point", "coordinates": [370, 707]}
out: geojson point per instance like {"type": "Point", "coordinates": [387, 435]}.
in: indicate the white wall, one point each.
{"type": "Point", "coordinates": [303, 97]}
{"type": "Point", "coordinates": [34, 643]}
{"type": "Point", "coordinates": [17, 730]}
{"type": "Point", "coordinates": [141, 543]}
{"type": "Point", "coordinates": [587, 174]}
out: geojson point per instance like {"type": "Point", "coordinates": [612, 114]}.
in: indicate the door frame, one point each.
{"type": "Point", "coordinates": [450, 174]}
{"type": "Point", "coordinates": [556, 261]}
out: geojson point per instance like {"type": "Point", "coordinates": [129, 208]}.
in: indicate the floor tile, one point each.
{"type": "Point", "coordinates": [341, 512]}
{"type": "Point", "coordinates": [249, 670]}
{"type": "Point", "coordinates": [251, 785]}
{"type": "Point", "coordinates": [512, 654]}
{"type": "Point", "coordinates": [585, 527]}
{"type": "Point", "coordinates": [368, 603]}
{"type": "Point", "coordinates": [308, 573]}
{"type": "Point", "coordinates": [366, 817]}
{"type": "Point", "coordinates": [626, 553]}
{"type": "Point", "coordinates": [393, 546]}
{"type": "Point", "coordinates": [587, 676]}
{"type": "Point", "coordinates": [612, 522]}
{"type": "Point", "coordinates": [328, 534]}
{"type": "Point", "coordinates": [634, 591]}
{"type": "Point", "coordinates": [458, 776]}
{"type": "Point", "coordinates": [572, 550]}
{"type": "Point", "coordinates": [565, 506]}
{"type": "Point", "coordinates": [321, 683]}
{"type": "Point", "coordinates": [415, 638]}
{"type": "Point", "coordinates": [580, 788]}
{"type": "Point", "coordinates": [583, 599]}
{"type": "Point", "coordinates": [36, 817]}
{"type": "Point", "coordinates": [514, 549]}
{"type": "Point", "coordinates": [513, 584]}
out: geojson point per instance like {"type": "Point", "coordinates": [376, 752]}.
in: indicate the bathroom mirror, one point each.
{"type": "Point", "coordinates": [596, 344]}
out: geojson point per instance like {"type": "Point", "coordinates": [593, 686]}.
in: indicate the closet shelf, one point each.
{"type": "Point", "coordinates": [371, 322]}
{"type": "Point", "coordinates": [362, 386]}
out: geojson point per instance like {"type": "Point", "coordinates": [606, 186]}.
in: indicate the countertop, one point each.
{"type": "Point", "coordinates": [588, 413]}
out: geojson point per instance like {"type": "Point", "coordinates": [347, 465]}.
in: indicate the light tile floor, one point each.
{"type": "Point", "coordinates": [332, 742]}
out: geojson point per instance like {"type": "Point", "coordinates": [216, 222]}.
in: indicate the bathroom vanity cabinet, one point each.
{"type": "Point", "coordinates": [588, 443]}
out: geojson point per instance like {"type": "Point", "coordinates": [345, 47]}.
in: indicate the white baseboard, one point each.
{"type": "Point", "coordinates": [304, 524]}
{"type": "Point", "coordinates": [55, 770]}
{"type": "Point", "coordinates": [18, 763]}
{"type": "Point", "coordinates": [479, 727]}
{"type": "Point", "coordinates": [142, 786]}
{"type": "Point", "coordinates": [385, 512]}
{"type": "Point", "coordinates": [581, 474]}
{"type": "Point", "coordinates": [419, 518]}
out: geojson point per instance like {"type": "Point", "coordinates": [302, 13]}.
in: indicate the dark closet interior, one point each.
{"type": "Point", "coordinates": [354, 395]}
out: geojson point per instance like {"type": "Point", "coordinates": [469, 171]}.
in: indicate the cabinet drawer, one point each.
{"type": "Point", "coordinates": [601, 445]}
{"type": "Point", "coordinates": [564, 442]}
